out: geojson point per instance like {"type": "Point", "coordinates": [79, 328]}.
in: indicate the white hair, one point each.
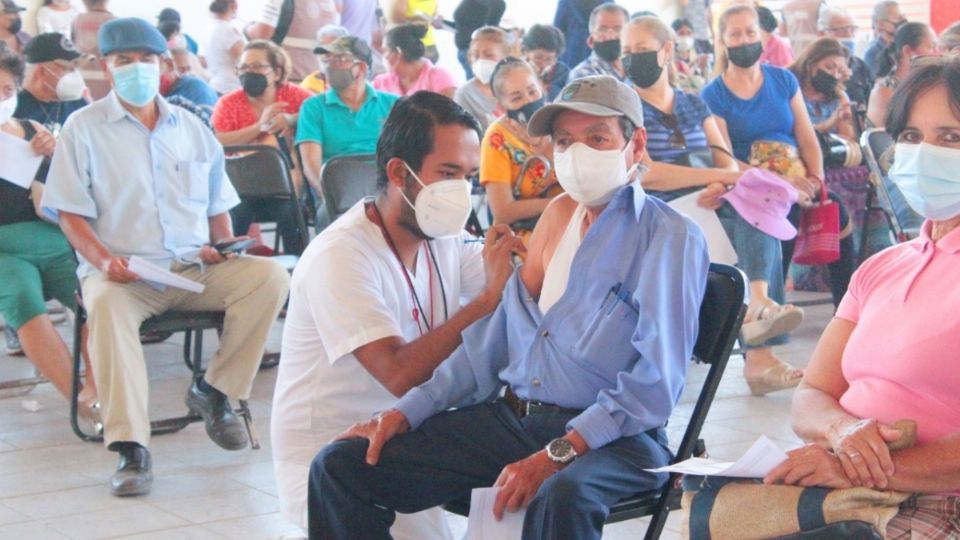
{"type": "Point", "coordinates": [827, 14]}
{"type": "Point", "coordinates": [331, 32]}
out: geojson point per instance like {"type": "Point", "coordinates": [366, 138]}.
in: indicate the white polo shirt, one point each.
{"type": "Point", "coordinates": [348, 290]}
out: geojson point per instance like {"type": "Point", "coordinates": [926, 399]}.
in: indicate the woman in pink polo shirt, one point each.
{"type": "Point", "coordinates": [409, 71]}
{"type": "Point", "coordinates": [893, 350]}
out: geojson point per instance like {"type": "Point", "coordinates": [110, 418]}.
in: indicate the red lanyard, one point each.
{"type": "Point", "coordinates": [418, 308]}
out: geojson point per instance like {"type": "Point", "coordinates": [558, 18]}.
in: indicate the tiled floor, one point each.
{"type": "Point", "coordinates": [54, 486]}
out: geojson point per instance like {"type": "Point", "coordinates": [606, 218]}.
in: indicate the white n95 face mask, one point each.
{"type": "Point", "coordinates": [929, 178]}
{"type": "Point", "coordinates": [442, 208]}
{"type": "Point", "coordinates": [70, 87]}
{"type": "Point", "coordinates": [483, 70]}
{"type": "Point", "coordinates": [591, 177]}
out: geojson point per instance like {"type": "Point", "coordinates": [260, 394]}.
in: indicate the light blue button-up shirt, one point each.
{"type": "Point", "coordinates": [616, 344]}
{"type": "Point", "coordinates": [145, 193]}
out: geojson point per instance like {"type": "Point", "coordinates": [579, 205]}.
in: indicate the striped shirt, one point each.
{"type": "Point", "coordinates": [690, 111]}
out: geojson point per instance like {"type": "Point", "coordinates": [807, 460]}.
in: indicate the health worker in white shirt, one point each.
{"type": "Point", "coordinates": [379, 299]}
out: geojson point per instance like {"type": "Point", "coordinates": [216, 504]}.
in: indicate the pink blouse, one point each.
{"type": "Point", "coordinates": [777, 52]}
{"type": "Point", "coordinates": [903, 359]}
{"type": "Point", "coordinates": [432, 78]}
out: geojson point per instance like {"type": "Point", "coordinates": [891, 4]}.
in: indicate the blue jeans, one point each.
{"type": "Point", "coordinates": [760, 258]}
{"type": "Point", "coordinates": [456, 451]}
{"type": "Point", "coordinates": [465, 62]}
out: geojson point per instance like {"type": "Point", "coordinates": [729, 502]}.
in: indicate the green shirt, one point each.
{"type": "Point", "coordinates": [327, 121]}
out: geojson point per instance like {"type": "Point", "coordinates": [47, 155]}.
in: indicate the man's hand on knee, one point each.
{"type": "Point", "coordinates": [378, 431]}
{"type": "Point", "coordinates": [520, 481]}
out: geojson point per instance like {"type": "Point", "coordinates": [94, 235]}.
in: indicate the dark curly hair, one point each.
{"type": "Point", "coordinates": [12, 64]}
{"type": "Point", "coordinates": [543, 36]}
{"type": "Point", "coordinates": [929, 74]}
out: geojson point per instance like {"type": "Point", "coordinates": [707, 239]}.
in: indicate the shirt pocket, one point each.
{"type": "Point", "coordinates": [605, 346]}
{"type": "Point", "coordinates": [193, 179]}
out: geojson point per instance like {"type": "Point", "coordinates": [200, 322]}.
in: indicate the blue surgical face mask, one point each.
{"type": "Point", "coordinates": [136, 83]}
{"type": "Point", "coordinates": [851, 45]}
{"type": "Point", "coordinates": [929, 178]}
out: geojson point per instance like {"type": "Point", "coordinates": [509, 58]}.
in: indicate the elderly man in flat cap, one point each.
{"type": "Point", "coordinates": [591, 341]}
{"type": "Point", "coordinates": [134, 176]}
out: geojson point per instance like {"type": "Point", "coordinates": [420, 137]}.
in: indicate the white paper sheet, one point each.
{"type": "Point", "coordinates": [18, 164]}
{"type": "Point", "coordinates": [151, 272]}
{"type": "Point", "coordinates": [759, 459]}
{"type": "Point", "coordinates": [483, 525]}
{"type": "Point", "coordinates": [718, 243]}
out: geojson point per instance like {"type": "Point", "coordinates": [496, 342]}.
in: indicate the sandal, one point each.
{"type": "Point", "coordinates": [770, 321]}
{"type": "Point", "coordinates": [779, 377]}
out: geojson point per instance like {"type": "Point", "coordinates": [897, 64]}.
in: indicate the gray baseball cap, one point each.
{"type": "Point", "coordinates": [598, 95]}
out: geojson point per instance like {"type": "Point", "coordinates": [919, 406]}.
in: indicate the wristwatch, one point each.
{"type": "Point", "coordinates": [561, 451]}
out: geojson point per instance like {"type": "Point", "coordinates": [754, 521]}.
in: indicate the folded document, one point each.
{"type": "Point", "coordinates": [161, 276]}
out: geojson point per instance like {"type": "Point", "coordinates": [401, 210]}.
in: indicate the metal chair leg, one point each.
{"type": "Point", "coordinates": [244, 411]}
{"type": "Point", "coordinates": [75, 382]}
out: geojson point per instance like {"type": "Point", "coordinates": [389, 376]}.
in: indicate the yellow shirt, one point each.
{"type": "Point", "coordinates": [502, 155]}
{"type": "Point", "coordinates": [313, 83]}
{"type": "Point", "coordinates": [424, 7]}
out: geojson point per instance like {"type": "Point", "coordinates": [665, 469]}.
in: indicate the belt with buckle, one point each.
{"type": "Point", "coordinates": [524, 407]}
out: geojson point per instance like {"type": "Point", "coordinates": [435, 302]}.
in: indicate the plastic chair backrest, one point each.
{"type": "Point", "coordinates": [263, 172]}
{"type": "Point", "coordinates": [259, 171]}
{"type": "Point", "coordinates": [345, 180]}
{"type": "Point", "coordinates": [877, 149]}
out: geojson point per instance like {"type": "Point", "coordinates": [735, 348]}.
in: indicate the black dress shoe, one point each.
{"type": "Point", "coordinates": [134, 474]}
{"type": "Point", "coordinates": [223, 426]}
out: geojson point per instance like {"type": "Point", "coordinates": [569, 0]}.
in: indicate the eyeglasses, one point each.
{"type": "Point", "coordinates": [254, 68]}
{"type": "Point", "coordinates": [851, 29]}
{"type": "Point", "coordinates": [677, 140]}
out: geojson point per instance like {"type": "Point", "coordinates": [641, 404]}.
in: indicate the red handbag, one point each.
{"type": "Point", "coordinates": [818, 238]}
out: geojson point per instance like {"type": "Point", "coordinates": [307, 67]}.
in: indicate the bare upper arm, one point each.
{"type": "Point", "coordinates": [721, 160]}
{"type": "Point", "coordinates": [721, 124]}
{"type": "Point", "coordinates": [825, 372]}
{"type": "Point", "coordinates": [543, 242]}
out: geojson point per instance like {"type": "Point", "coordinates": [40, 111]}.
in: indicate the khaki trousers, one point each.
{"type": "Point", "coordinates": [251, 290]}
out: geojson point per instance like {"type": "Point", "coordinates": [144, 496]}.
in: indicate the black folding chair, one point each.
{"type": "Point", "coordinates": [344, 180]}
{"type": "Point", "coordinates": [721, 314]}
{"type": "Point", "coordinates": [192, 324]}
{"type": "Point", "coordinates": [905, 225]}
{"type": "Point", "coordinates": [260, 172]}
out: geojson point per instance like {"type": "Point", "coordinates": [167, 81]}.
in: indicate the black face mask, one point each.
{"type": "Point", "coordinates": [643, 68]}
{"type": "Point", "coordinates": [254, 84]}
{"type": "Point", "coordinates": [15, 26]}
{"type": "Point", "coordinates": [745, 55]}
{"type": "Point", "coordinates": [524, 113]}
{"type": "Point", "coordinates": [825, 83]}
{"type": "Point", "coordinates": [608, 50]}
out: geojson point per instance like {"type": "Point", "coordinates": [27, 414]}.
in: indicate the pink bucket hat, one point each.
{"type": "Point", "coordinates": [763, 199]}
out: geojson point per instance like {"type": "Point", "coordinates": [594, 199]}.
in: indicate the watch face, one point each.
{"type": "Point", "coordinates": [560, 450]}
